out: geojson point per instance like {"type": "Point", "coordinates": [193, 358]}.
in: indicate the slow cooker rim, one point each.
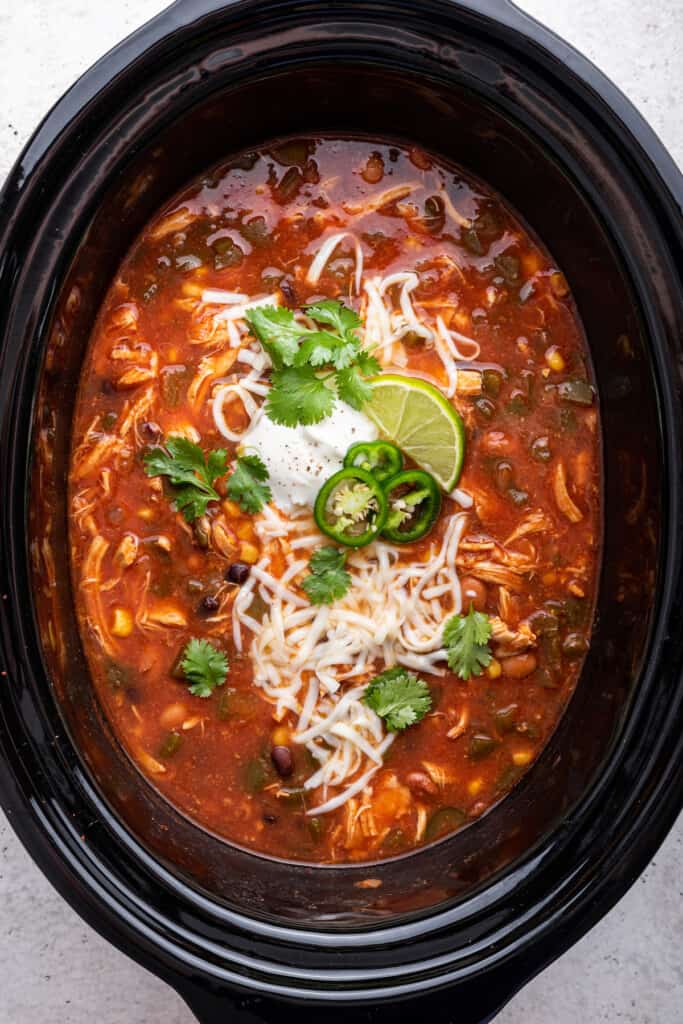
{"type": "Point", "coordinates": [58, 121]}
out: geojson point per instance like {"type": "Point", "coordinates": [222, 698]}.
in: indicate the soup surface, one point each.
{"type": "Point", "coordinates": [335, 671]}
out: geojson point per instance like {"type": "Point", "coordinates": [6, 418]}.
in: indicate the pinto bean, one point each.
{"type": "Point", "coordinates": [282, 759]}
{"type": "Point", "coordinates": [473, 591]}
{"type": "Point", "coordinates": [518, 666]}
{"type": "Point", "coordinates": [420, 782]}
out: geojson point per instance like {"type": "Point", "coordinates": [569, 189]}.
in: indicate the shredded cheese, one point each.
{"type": "Point", "coordinates": [305, 657]}
{"type": "Point", "coordinates": [314, 662]}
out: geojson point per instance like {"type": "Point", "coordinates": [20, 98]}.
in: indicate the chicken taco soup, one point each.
{"type": "Point", "coordinates": [335, 500]}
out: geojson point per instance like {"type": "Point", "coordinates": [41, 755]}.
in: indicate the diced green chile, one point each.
{"type": "Point", "coordinates": [576, 611]}
{"type": "Point", "coordinates": [508, 777]}
{"type": "Point", "coordinates": [117, 675]}
{"type": "Point", "coordinates": [577, 391]}
{"type": "Point", "coordinates": [316, 828]}
{"type": "Point", "coordinates": [491, 383]}
{"type": "Point", "coordinates": [508, 266]}
{"type": "Point", "coordinates": [171, 745]}
{"type": "Point", "coordinates": [505, 718]}
{"type": "Point", "coordinates": [173, 384]}
{"type": "Point", "coordinates": [381, 458]}
{"type": "Point", "coordinates": [518, 404]}
{"type": "Point", "coordinates": [481, 745]}
{"type": "Point", "coordinates": [470, 239]}
{"type": "Point", "coordinates": [256, 231]}
{"type": "Point", "coordinates": [544, 623]}
{"type": "Point", "coordinates": [255, 775]}
{"type": "Point", "coordinates": [226, 253]}
{"type": "Point", "coordinates": [351, 507]}
{"type": "Point", "coordinates": [289, 185]}
{"type": "Point", "coordinates": [224, 709]}
{"type": "Point", "coordinates": [447, 819]}
{"type": "Point", "coordinates": [414, 502]}
{"type": "Point", "coordinates": [395, 839]}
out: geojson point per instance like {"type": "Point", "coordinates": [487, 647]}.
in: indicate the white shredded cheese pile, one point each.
{"type": "Point", "coordinates": [305, 657]}
{"type": "Point", "coordinates": [315, 662]}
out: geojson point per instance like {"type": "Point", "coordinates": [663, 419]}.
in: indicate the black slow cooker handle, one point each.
{"type": "Point", "coordinates": [229, 1007]}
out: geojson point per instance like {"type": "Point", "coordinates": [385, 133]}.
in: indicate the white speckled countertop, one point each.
{"type": "Point", "coordinates": [629, 969]}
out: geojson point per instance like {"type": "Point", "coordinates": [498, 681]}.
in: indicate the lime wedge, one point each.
{"type": "Point", "coordinates": [422, 422]}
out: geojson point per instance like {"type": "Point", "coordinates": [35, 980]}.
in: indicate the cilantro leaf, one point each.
{"type": "Point", "coordinates": [399, 697]}
{"type": "Point", "coordinates": [278, 332]}
{"type": "Point", "coordinates": [466, 639]}
{"type": "Point", "coordinates": [368, 364]}
{"type": "Point", "coordinates": [204, 666]}
{"type": "Point", "coordinates": [305, 397]}
{"type": "Point", "coordinates": [187, 469]}
{"type": "Point", "coordinates": [297, 396]}
{"type": "Point", "coordinates": [321, 348]}
{"type": "Point", "coordinates": [246, 484]}
{"type": "Point", "coordinates": [331, 312]}
{"type": "Point", "coordinates": [328, 580]}
{"type": "Point", "coordinates": [352, 389]}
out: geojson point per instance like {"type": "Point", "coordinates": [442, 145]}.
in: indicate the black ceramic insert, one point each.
{"type": "Point", "coordinates": [461, 925]}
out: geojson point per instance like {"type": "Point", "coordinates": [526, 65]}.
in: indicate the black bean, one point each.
{"type": "Point", "coordinates": [288, 292]}
{"type": "Point", "coordinates": [238, 573]}
{"type": "Point", "coordinates": [209, 604]}
{"type": "Point", "coordinates": [574, 645]}
{"type": "Point", "coordinates": [151, 431]}
{"type": "Point", "coordinates": [283, 761]}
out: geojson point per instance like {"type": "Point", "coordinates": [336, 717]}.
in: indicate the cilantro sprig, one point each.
{"type": "Point", "coordinates": [399, 697]}
{"type": "Point", "coordinates": [312, 366]}
{"type": "Point", "coordinates": [204, 667]}
{"type": "Point", "coordinates": [247, 484]}
{"type": "Point", "coordinates": [327, 580]}
{"type": "Point", "coordinates": [190, 472]}
{"type": "Point", "coordinates": [466, 639]}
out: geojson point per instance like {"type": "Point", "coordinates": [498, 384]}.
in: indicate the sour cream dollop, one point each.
{"type": "Point", "coordinates": [299, 459]}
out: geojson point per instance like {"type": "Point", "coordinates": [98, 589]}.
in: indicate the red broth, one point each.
{"type": "Point", "coordinates": [147, 581]}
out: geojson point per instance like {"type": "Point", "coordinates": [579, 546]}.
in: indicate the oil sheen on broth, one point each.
{"type": "Point", "coordinates": [183, 567]}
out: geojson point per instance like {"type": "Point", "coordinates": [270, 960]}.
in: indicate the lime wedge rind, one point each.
{"type": "Point", "coordinates": [418, 418]}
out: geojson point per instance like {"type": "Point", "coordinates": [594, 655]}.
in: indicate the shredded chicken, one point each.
{"type": "Point", "coordinates": [562, 497]}
{"type": "Point", "coordinates": [508, 640]}
{"type": "Point", "coordinates": [536, 521]}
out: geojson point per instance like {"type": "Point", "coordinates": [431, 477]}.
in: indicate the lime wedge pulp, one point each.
{"type": "Point", "coordinates": [418, 418]}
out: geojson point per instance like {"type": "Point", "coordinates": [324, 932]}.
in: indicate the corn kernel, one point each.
{"type": "Point", "coordinates": [192, 288]}
{"type": "Point", "coordinates": [122, 624]}
{"type": "Point", "coordinates": [522, 757]}
{"type": "Point", "coordinates": [554, 359]}
{"type": "Point", "coordinates": [172, 355]}
{"type": "Point", "coordinates": [474, 786]}
{"type": "Point", "coordinates": [281, 736]}
{"type": "Point", "coordinates": [245, 529]}
{"type": "Point", "coordinates": [146, 513]}
{"type": "Point", "coordinates": [231, 508]}
{"type": "Point", "coordinates": [531, 262]}
{"type": "Point", "coordinates": [248, 552]}
{"type": "Point", "coordinates": [494, 669]}
{"type": "Point", "coordinates": [548, 578]}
